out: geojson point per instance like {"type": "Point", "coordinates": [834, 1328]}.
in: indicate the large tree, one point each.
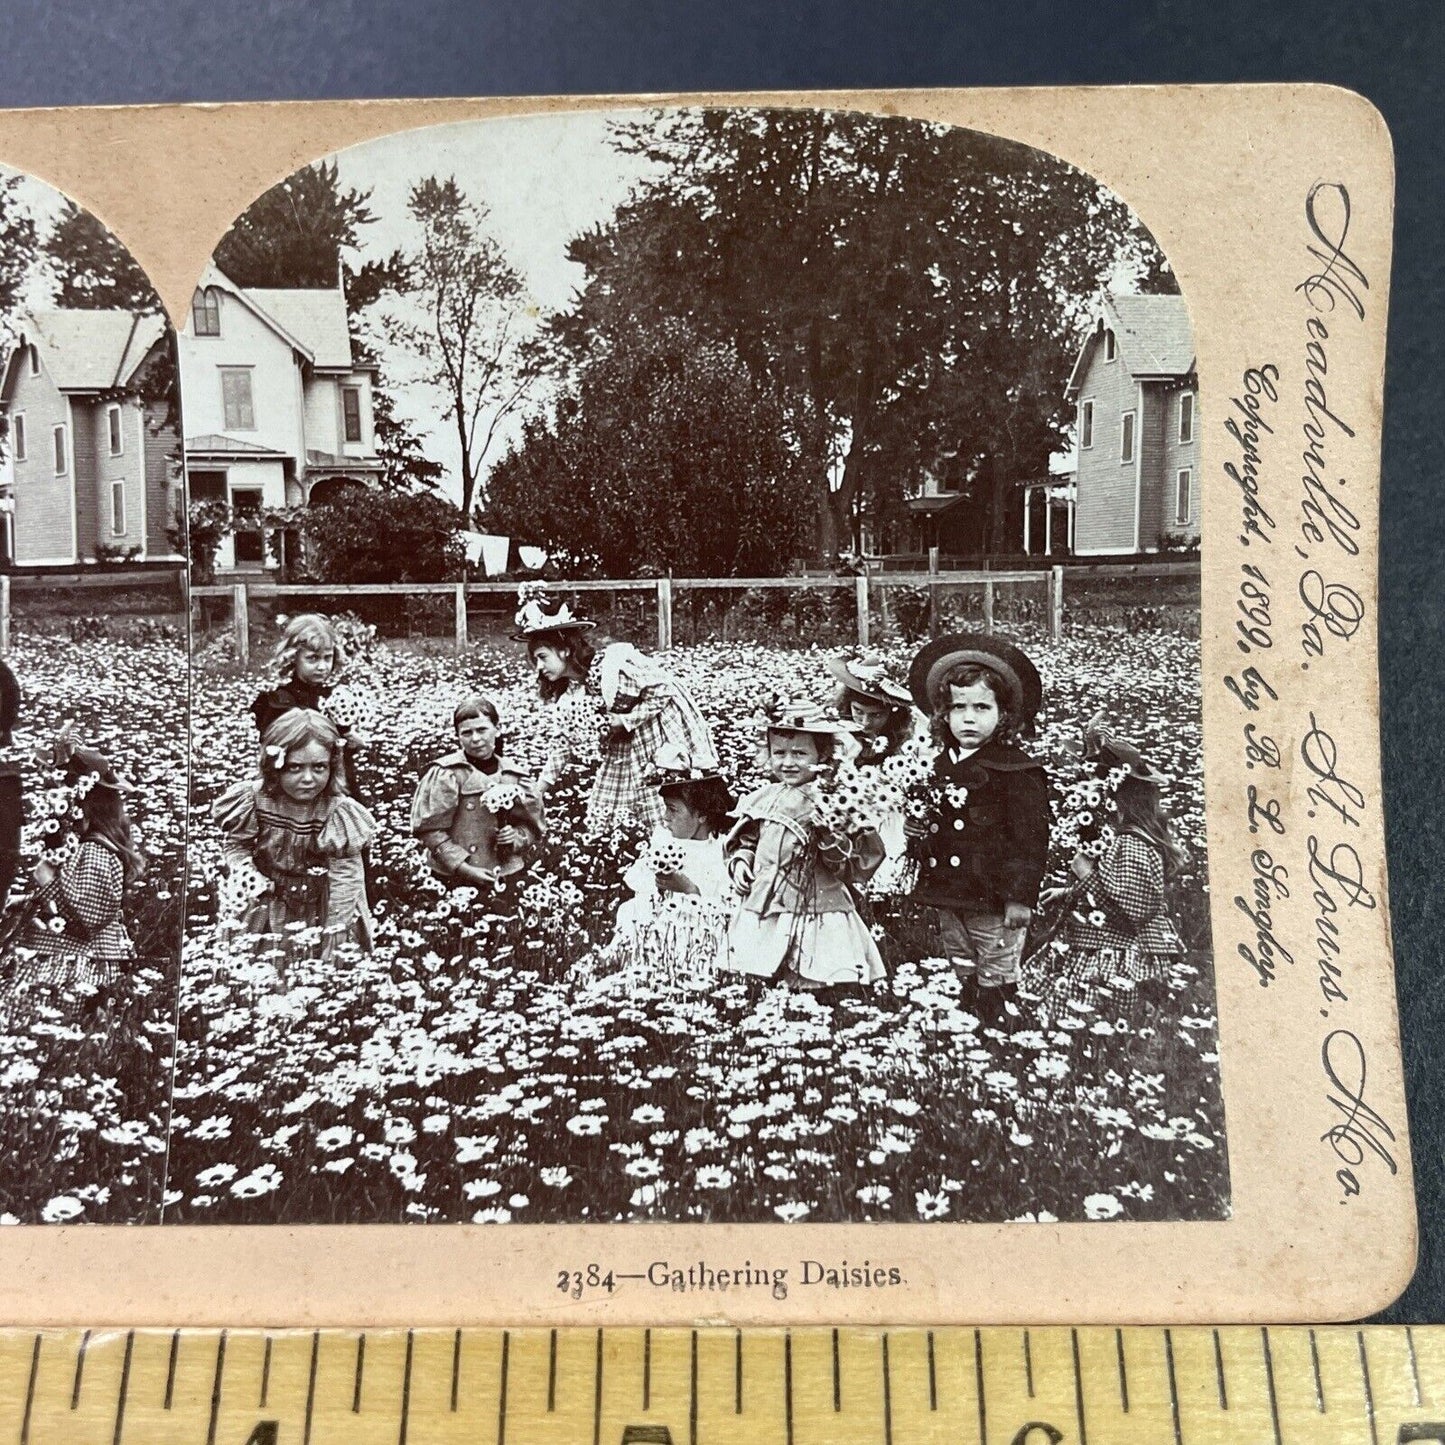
{"type": "Point", "coordinates": [93, 270]}
{"type": "Point", "coordinates": [918, 289]}
{"type": "Point", "coordinates": [294, 234]}
{"type": "Point", "coordinates": [17, 244]}
{"type": "Point", "coordinates": [465, 321]}
{"type": "Point", "coordinates": [672, 456]}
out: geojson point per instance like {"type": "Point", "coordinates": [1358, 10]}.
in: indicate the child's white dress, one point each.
{"type": "Point", "coordinates": [670, 937]}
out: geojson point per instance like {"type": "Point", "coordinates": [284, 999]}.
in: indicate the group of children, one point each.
{"type": "Point", "coordinates": [767, 886]}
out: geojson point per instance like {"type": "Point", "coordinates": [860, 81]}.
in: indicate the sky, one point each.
{"type": "Point", "coordinates": [544, 179]}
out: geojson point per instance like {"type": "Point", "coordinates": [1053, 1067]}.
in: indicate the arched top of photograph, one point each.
{"type": "Point", "coordinates": [708, 342]}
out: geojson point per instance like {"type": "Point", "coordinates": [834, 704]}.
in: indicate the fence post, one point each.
{"type": "Point", "coordinates": [664, 613]}
{"type": "Point", "coordinates": [5, 615]}
{"type": "Point", "coordinates": [1056, 603]}
{"type": "Point", "coordinates": [988, 604]}
{"type": "Point", "coordinates": [933, 559]}
{"type": "Point", "coordinates": [861, 587]}
{"type": "Point", "coordinates": [932, 607]}
{"type": "Point", "coordinates": [241, 621]}
{"type": "Point", "coordinates": [460, 638]}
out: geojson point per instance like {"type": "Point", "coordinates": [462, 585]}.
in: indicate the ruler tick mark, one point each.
{"type": "Point", "coordinates": [30, 1392]}
{"type": "Point", "coordinates": [311, 1387]}
{"type": "Point", "coordinates": [360, 1365]}
{"type": "Point", "coordinates": [171, 1370]}
{"type": "Point", "coordinates": [737, 1372]}
{"type": "Point", "coordinates": [597, 1397]}
{"type": "Point", "coordinates": [1123, 1370]}
{"type": "Point", "coordinates": [837, 1383]}
{"type": "Point", "coordinates": [216, 1389]}
{"type": "Point", "coordinates": [502, 1391]}
{"type": "Point", "coordinates": [932, 1376]}
{"type": "Point", "coordinates": [1269, 1380]}
{"type": "Point", "coordinates": [978, 1377]}
{"type": "Point", "coordinates": [1369, 1390]}
{"type": "Point", "coordinates": [646, 1369]}
{"type": "Point", "coordinates": [79, 1370]}
{"type": "Point", "coordinates": [265, 1371]}
{"type": "Point", "coordinates": [456, 1367]}
{"type": "Point", "coordinates": [788, 1382]}
{"type": "Point", "coordinates": [124, 1387]}
{"type": "Point", "coordinates": [1414, 1363]}
{"type": "Point", "coordinates": [1315, 1365]}
{"type": "Point", "coordinates": [552, 1374]}
{"type": "Point", "coordinates": [1219, 1373]}
{"type": "Point", "coordinates": [405, 1392]}
{"type": "Point", "coordinates": [887, 1396]}
{"type": "Point", "coordinates": [1029, 1364]}
{"type": "Point", "coordinates": [692, 1395]}
{"type": "Point", "coordinates": [1173, 1387]}
{"type": "Point", "coordinates": [1078, 1389]}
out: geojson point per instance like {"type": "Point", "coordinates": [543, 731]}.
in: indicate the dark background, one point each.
{"type": "Point", "coordinates": [95, 52]}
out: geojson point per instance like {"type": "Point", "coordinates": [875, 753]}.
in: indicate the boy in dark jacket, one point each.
{"type": "Point", "coordinates": [985, 846]}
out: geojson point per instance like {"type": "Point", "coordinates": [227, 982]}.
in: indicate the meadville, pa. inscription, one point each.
{"type": "Point", "coordinates": [1299, 600]}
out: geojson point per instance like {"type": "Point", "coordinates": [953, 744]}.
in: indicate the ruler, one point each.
{"type": "Point", "coordinates": [1053, 1386]}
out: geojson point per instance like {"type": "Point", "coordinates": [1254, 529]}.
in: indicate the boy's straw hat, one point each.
{"type": "Point", "coordinates": [867, 675]}
{"type": "Point", "coordinates": [1019, 676]}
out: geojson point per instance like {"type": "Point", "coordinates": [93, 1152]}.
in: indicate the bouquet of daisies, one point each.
{"type": "Point", "coordinates": [909, 772]}
{"type": "Point", "coordinates": [663, 855]}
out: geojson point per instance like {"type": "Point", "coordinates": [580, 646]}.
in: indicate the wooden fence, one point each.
{"type": "Point", "coordinates": [19, 584]}
{"type": "Point", "coordinates": [667, 589]}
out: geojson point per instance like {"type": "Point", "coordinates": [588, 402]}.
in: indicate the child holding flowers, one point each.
{"type": "Point", "coordinates": [676, 921]}
{"type": "Point", "coordinates": [793, 854]}
{"type": "Point", "coordinates": [293, 839]}
{"type": "Point", "coordinates": [1119, 940]}
{"type": "Point", "coordinates": [985, 840]}
{"type": "Point", "coordinates": [476, 814]}
{"type": "Point", "coordinates": [613, 704]}
{"type": "Point", "coordinates": [73, 937]}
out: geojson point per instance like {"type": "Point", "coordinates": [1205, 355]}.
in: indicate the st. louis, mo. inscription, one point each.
{"type": "Point", "coordinates": [1298, 601]}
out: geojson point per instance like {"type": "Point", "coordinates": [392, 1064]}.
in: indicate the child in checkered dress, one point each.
{"type": "Point", "coordinates": [1120, 941]}
{"type": "Point", "coordinates": [75, 939]}
{"type": "Point", "coordinates": [612, 704]}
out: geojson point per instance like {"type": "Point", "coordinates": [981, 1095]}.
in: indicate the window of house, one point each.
{"type": "Point", "coordinates": [351, 411]}
{"type": "Point", "coordinates": [1186, 416]}
{"type": "Point", "coordinates": [236, 400]}
{"type": "Point", "coordinates": [1181, 500]}
{"type": "Point", "coordinates": [1126, 437]}
{"type": "Point", "coordinates": [62, 452]}
{"type": "Point", "coordinates": [113, 428]}
{"type": "Point", "coordinates": [117, 508]}
{"type": "Point", "coordinates": [1086, 424]}
{"type": "Point", "coordinates": [17, 436]}
{"type": "Point", "coordinates": [34, 360]}
{"type": "Point", "coordinates": [1111, 349]}
{"type": "Point", "coordinates": [206, 312]}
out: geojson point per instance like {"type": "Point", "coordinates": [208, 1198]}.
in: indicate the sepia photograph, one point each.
{"type": "Point", "coordinates": [696, 695]}
{"type": "Point", "coordinates": [93, 717]}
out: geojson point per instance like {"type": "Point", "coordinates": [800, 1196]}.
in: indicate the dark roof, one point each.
{"type": "Point", "coordinates": [934, 503]}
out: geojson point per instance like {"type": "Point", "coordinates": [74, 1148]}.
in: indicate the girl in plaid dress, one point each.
{"type": "Point", "coordinates": [75, 939]}
{"type": "Point", "coordinates": [1120, 940]}
{"type": "Point", "coordinates": [614, 705]}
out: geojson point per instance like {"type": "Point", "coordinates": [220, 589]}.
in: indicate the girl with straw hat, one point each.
{"type": "Point", "coordinates": [612, 703]}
